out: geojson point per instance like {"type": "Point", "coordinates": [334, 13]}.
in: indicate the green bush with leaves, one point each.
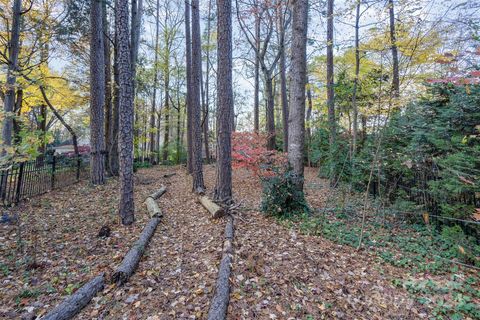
{"type": "Point", "coordinates": [280, 197]}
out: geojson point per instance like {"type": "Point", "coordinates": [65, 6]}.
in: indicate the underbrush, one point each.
{"type": "Point", "coordinates": [428, 253]}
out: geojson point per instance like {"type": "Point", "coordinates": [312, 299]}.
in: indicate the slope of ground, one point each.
{"type": "Point", "coordinates": [278, 273]}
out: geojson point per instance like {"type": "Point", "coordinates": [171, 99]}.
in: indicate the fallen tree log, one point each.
{"type": "Point", "coordinates": [212, 207]}
{"type": "Point", "coordinates": [153, 208]}
{"type": "Point", "coordinates": [157, 194]}
{"type": "Point", "coordinates": [132, 258]}
{"type": "Point", "coordinates": [71, 306]}
{"type": "Point", "coordinates": [168, 175]}
{"type": "Point", "coordinates": [221, 298]}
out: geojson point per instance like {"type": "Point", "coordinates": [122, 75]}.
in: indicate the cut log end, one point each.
{"type": "Point", "coordinates": [153, 208]}
{"type": "Point", "coordinates": [212, 207]}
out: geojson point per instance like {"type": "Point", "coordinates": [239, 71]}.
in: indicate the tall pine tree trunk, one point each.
{"type": "Point", "coordinates": [97, 95]}
{"type": "Point", "coordinates": [125, 141]}
{"type": "Point", "coordinates": [188, 57]}
{"type": "Point", "coordinates": [113, 152]}
{"type": "Point", "coordinates": [283, 76]}
{"type": "Point", "coordinates": [223, 188]}
{"type": "Point", "coordinates": [153, 158]}
{"type": "Point", "coordinates": [109, 141]}
{"type": "Point", "coordinates": [355, 80]}
{"type": "Point", "coordinates": [13, 52]}
{"type": "Point", "coordinates": [331, 93]}
{"type": "Point", "coordinates": [206, 105]}
{"type": "Point", "coordinates": [309, 123]}
{"type": "Point", "coordinates": [298, 80]}
{"type": "Point", "coordinates": [393, 41]}
{"type": "Point", "coordinates": [270, 123]}
{"type": "Point", "coordinates": [198, 185]}
{"type": "Point", "coordinates": [256, 106]}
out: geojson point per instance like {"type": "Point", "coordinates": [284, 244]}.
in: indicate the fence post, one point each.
{"type": "Point", "coordinates": [78, 167]}
{"type": "Point", "coordinates": [3, 185]}
{"type": "Point", "coordinates": [53, 172]}
{"type": "Point", "coordinates": [19, 182]}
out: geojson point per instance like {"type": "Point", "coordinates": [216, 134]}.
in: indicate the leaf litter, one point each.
{"type": "Point", "coordinates": [278, 273]}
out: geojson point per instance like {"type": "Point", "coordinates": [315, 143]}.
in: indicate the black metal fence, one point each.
{"type": "Point", "coordinates": [30, 178]}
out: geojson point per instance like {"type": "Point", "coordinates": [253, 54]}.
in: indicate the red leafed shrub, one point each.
{"type": "Point", "coordinates": [249, 151]}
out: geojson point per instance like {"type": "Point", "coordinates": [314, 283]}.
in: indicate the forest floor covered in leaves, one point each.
{"type": "Point", "coordinates": [281, 270]}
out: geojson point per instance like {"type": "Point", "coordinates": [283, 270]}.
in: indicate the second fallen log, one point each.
{"type": "Point", "coordinates": [76, 302]}
{"type": "Point", "coordinates": [130, 262]}
{"type": "Point", "coordinates": [212, 207]}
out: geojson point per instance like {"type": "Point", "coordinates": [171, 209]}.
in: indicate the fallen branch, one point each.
{"type": "Point", "coordinates": [212, 207]}
{"type": "Point", "coordinates": [157, 194]}
{"type": "Point", "coordinates": [76, 302]}
{"type": "Point", "coordinates": [219, 304]}
{"type": "Point", "coordinates": [130, 262]}
{"type": "Point", "coordinates": [168, 175]}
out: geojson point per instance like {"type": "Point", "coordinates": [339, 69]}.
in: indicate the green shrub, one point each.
{"type": "Point", "coordinates": [280, 197]}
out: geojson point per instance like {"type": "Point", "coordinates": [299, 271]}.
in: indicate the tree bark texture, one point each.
{"type": "Point", "coordinates": [283, 75]}
{"type": "Point", "coordinates": [13, 52]}
{"type": "Point", "coordinates": [393, 41]}
{"type": "Point", "coordinates": [270, 112]}
{"type": "Point", "coordinates": [153, 158]}
{"type": "Point", "coordinates": [126, 114]}
{"type": "Point", "coordinates": [298, 81]}
{"type": "Point", "coordinates": [198, 185]}
{"type": "Point", "coordinates": [113, 152]}
{"type": "Point", "coordinates": [223, 188]}
{"type": "Point", "coordinates": [256, 106]}
{"type": "Point", "coordinates": [97, 95]}
{"type": "Point", "coordinates": [331, 89]}
{"type": "Point", "coordinates": [355, 80]}
{"type": "Point", "coordinates": [108, 88]}
{"type": "Point", "coordinates": [188, 57]}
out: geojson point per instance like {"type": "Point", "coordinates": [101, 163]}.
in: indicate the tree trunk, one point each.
{"type": "Point", "coordinates": [393, 41]}
{"type": "Point", "coordinates": [298, 80]}
{"type": "Point", "coordinates": [97, 95]}
{"type": "Point", "coordinates": [188, 56]}
{"type": "Point", "coordinates": [309, 123]}
{"type": "Point", "coordinates": [13, 52]}
{"type": "Point", "coordinates": [270, 124]}
{"type": "Point", "coordinates": [153, 158]}
{"type": "Point", "coordinates": [113, 152]}
{"type": "Point", "coordinates": [198, 185]}
{"type": "Point", "coordinates": [206, 109]}
{"type": "Point", "coordinates": [331, 92]}
{"type": "Point", "coordinates": [18, 112]}
{"type": "Point", "coordinates": [355, 80]}
{"type": "Point", "coordinates": [125, 139]}
{"type": "Point", "coordinates": [223, 188]}
{"type": "Point", "coordinates": [166, 134]}
{"type": "Point", "coordinates": [256, 106]}
{"type": "Point", "coordinates": [283, 76]}
{"type": "Point", "coordinates": [136, 23]}
{"type": "Point", "coordinates": [108, 88]}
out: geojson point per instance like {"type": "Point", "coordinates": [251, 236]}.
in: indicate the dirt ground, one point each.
{"type": "Point", "coordinates": [278, 273]}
